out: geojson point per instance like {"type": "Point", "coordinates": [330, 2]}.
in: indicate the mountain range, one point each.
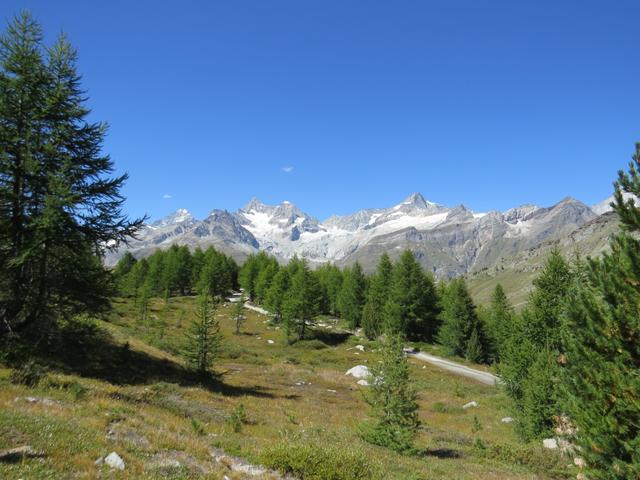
{"type": "Point", "coordinates": [447, 240]}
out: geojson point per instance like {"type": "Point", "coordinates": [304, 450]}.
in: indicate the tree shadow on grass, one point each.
{"type": "Point", "coordinates": [440, 453]}
{"type": "Point", "coordinates": [92, 352]}
{"type": "Point", "coordinates": [328, 337]}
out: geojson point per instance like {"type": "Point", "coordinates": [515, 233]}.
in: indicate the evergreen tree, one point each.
{"type": "Point", "coordinates": [203, 338]}
{"type": "Point", "coordinates": [275, 297]}
{"type": "Point", "coordinates": [499, 319]}
{"type": "Point", "coordinates": [264, 279]}
{"type": "Point", "coordinates": [59, 207]}
{"type": "Point", "coordinates": [462, 332]}
{"type": "Point", "coordinates": [537, 335]}
{"type": "Point", "coordinates": [330, 279]}
{"type": "Point", "coordinates": [393, 400]}
{"type": "Point", "coordinates": [301, 303]}
{"type": "Point", "coordinates": [376, 299]}
{"type": "Point", "coordinates": [352, 295]}
{"type": "Point", "coordinates": [600, 378]}
{"type": "Point", "coordinates": [412, 307]}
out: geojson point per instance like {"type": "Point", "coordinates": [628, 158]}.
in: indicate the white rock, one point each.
{"type": "Point", "coordinates": [359, 371]}
{"type": "Point", "coordinates": [363, 382]}
{"type": "Point", "coordinates": [114, 461]}
{"type": "Point", "coordinates": [550, 443]}
{"type": "Point", "coordinates": [359, 347]}
{"type": "Point", "coordinates": [472, 404]}
{"type": "Point", "coordinates": [270, 342]}
{"type": "Point", "coordinates": [579, 462]}
{"type": "Point", "coordinates": [507, 420]}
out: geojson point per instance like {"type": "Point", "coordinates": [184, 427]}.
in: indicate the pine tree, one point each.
{"type": "Point", "coordinates": [59, 207]}
{"type": "Point", "coordinates": [275, 296]}
{"type": "Point", "coordinates": [376, 299]}
{"type": "Point", "coordinates": [462, 332]}
{"type": "Point", "coordinates": [412, 306]}
{"type": "Point", "coordinates": [352, 295]}
{"type": "Point", "coordinates": [203, 337]}
{"type": "Point", "coordinates": [536, 335]}
{"type": "Point", "coordinates": [500, 317]}
{"type": "Point", "coordinates": [301, 303]}
{"type": "Point", "coordinates": [393, 400]}
{"type": "Point", "coordinates": [601, 393]}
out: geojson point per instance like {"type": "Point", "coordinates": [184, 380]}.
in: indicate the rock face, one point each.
{"type": "Point", "coordinates": [447, 241]}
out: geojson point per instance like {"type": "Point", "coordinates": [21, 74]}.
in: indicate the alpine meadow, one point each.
{"type": "Point", "coordinates": [397, 339]}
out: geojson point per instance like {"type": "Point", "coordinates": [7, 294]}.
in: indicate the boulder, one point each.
{"type": "Point", "coordinates": [550, 443]}
{"type": "Point", "coordinates": [359, 371]}
{"type": "Point", "coordinates": [114, 461]}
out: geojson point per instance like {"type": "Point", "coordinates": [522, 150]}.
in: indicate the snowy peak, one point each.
{"type": "Point", "coordinates": [605, 205]}
{"type": "Point", "coordinates": [179, 216]}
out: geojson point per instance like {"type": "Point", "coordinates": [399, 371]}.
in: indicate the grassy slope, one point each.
{"type": "Point", "coordinates": [145, 396]}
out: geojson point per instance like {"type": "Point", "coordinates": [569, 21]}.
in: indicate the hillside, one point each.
{"type": "Point", "coordinates": [516, 272]}
{"type": "Point", "coordinates": [118, 385]}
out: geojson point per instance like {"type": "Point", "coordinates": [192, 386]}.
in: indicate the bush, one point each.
{"type": "Point", "coordinates": [238, 418]}
{"type": "Point", "coordinates": [534, 457]}
{"type": "Point", "coordinates": [28, 374]}
{"type": "Point", "coordinates": [316, 462]}
{"type": "Point", "coordinates": [77, 390]}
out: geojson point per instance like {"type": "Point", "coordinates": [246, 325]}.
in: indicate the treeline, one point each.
{"type": "Point", "coordinates": [399, 297]}
{"type": "Point", "coordinates": [176, 271]}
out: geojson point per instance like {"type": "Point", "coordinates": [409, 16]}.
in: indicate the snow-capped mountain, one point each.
{"type": "Point", "coordinates": [447, 240]}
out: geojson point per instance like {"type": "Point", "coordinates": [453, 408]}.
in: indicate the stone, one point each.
{"type": "Point", "coordinates": [507, 420]}
{"type": "Point", "coordinates": [550, 443]}
{"type": "Point", "coordinates": [359, 371]}
{"type": "Point", "coordinates": [472, 404]}
{"type": "Point", "coordinates": [579, 462]}
{"type": "Point", "coordinates": [270, 342]}
{"type": "Point", "coordinates": [114, 461]}
{"type": "Point", "coordinates": [363, 382]}
{"type": "Point", "coordinates": [359, 347]}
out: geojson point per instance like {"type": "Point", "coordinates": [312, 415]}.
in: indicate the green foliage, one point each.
{"type": "Point", "coordinates": [238, 418]}
{"type": "Point", "coordinates": [29, 374]}
{"type": "Point", "coordinates": [393, 400]}
{"type": "Point", "coordinates": [330, 278]}
{"type": "Point", "coordinates": [301, 303]}
{"type": "Point", "coordinates": [376, 299]}
{"type": "Point", "coordinates": [499, 318]}
{"type": "Point", "coordinates": [59, 205]}
{"type": "Point", "coordinates": [203, 338]}
{"type": "Point", "coordinates": [319, 462]}
{"type": "Point", "coordinates": [412, 305]}
{"type": "Point", "coordinates": [462, 332]}
{"type": "Point", "coordinates": [601, 382]}
{"type": "Point", "coordinates": [352, 295]}
{"type": "Point", "coordinates": [197, 427]}
{"type": "Point", "coordinates": [77, 390]}
{"type": "Point", "coordinates": [275, 296]}
{"type": "Point", "coordinates": [528, 365]}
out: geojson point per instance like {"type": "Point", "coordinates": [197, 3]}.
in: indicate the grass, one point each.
{"type": "Point", "coordinates": [120, 386]}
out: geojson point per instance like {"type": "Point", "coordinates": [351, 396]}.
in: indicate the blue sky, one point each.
{"type": "Point", "coordinates": [342, 105]}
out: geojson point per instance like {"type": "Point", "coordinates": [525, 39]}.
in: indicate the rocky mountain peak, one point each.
{"type": "Point", "coordinates": [179, 216]}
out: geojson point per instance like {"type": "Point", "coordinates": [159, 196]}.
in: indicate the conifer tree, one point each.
{"type": "Point", "coordinates": [601, 393]}
{"type": "Point", "coordinates": [376, 299]}
{"type": "Point", "coordinates": [204, 337]}
{"type": "Point", "coordinates": [412, 306]}
{"type": "Point", "coordinates": [537, 335]}
{"type": "Point", "coordinates": [352, 295]}
{"type": "Point", "coordinates": [59, 206]}
{"type": "Point", "coordinates": [393, 400]}
{"type": "Point", "coordinates": [500, 317]}
{"type": "Point", "coordinates": [301, 303]}
{"type": "Point", "coordinates": [275, 297]}
{"type": "Point", "coordinates": [462, 332]}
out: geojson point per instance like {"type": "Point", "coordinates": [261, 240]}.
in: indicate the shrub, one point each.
{"type": "Point", "coordinates": [77, 390]}
{"type": "Point", "coordinates": [238, 418]}
{"type": "Point", "coordinates": [317, 462]}
{"type": "Point", "coordinates": [28, 374]}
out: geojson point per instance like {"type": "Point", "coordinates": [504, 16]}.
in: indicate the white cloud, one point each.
{"type": "Point", "coordinates": [287, 169]}
{"type": "Point", "coordinates": [166, 196]}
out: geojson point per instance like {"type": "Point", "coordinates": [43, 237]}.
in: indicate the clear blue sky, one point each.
{"type": "Point", "coordinates": [487, 103]}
